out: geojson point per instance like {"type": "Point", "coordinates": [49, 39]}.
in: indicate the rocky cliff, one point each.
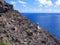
{"type": "Point", "coordinates": [16, 29]}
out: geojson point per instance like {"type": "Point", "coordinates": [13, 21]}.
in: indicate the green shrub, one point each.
{"type": "Point", "coordinates": [2, 43]}
{"type": "Point", "coordinates": [5, 43]}
{"type": "Point", "coordinates": [8, 42]}
{"type": "Point", "coordinates": [8, 15]}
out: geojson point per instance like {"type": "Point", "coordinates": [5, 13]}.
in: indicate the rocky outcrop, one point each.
{"type": "Point", "coordinates": [5, 6]}
{"type": "Point", "coordinates": [16, 29]}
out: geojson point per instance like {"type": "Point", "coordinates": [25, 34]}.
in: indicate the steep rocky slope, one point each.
{"type": "Point", "coordinates": [16, 29]}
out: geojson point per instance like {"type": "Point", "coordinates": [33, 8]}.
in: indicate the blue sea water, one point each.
{"type": "Point", "coordinates": [48, 21]}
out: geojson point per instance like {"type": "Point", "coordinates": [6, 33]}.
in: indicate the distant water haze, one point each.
{"type": "Point", "coordinates": [48, 21]}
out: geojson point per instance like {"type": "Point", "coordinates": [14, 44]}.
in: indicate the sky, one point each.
{"type": "Point", "coordinates": [36, 6]}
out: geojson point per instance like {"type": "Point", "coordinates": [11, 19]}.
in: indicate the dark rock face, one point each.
{"type": "Point", "coordinates": [4, 7]}
{"type": "Point", "coordinates": [16, 29]}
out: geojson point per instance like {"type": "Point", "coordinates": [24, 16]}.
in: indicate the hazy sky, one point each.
{"type": "Point", "coordinates": [37, 6]}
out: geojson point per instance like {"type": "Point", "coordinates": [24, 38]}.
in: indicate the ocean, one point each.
{"type": "Point", "coordinates": [48, 21]}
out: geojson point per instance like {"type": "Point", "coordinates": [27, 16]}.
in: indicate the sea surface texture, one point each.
{"type": "Point", "coordinates": [48, 21]}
